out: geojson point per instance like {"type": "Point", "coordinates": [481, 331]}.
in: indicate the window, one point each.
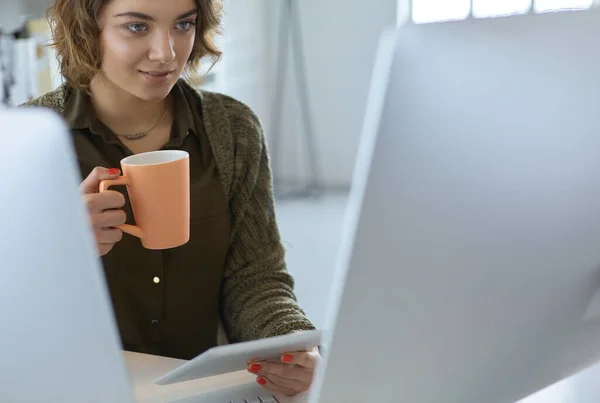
{"type": "Point", "coordinates": [553, 5]}
{"type": "Point", "coordinates": [493, 8]}
{"type": "Point", "coordinates": [440, 10]}
{"type": "Point", "coordinates": [424, 11]}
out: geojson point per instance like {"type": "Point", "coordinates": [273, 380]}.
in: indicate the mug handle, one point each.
{"type": "Point", "coordinates": [122, 180]}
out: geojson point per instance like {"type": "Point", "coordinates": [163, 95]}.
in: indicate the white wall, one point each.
{"type": "Point", "coordinates": [37, 8]}
{"type": "Point", "coordinates": [242, 72]}
{"type": "Point", "coordinates": [340, 40]}
{"type": "Point", "coordinates": [10, 11]}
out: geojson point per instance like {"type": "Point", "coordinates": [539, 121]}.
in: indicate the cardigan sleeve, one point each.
{"type": "Point", "coordinates": [257, 297]}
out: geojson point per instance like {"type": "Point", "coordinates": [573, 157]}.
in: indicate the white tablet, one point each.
{"type": "Point", "coordinates": [234, 357]}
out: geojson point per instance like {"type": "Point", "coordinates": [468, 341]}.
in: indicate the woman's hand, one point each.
{"type": "Point", "coordinates": [293, 374]}
{"type": "Point", "coordinates": [104, 208]}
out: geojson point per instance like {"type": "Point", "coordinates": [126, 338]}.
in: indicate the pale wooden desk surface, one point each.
{"type": "Point", "coordinates": [583, 387]}
{"type": "Point", "coordinates": [145, 368]}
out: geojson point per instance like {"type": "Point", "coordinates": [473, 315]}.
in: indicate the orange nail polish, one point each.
{"type": "Point", "coordinates": [287, 358]}
{"type": "Point", "coordinates": [255, 368]}
{"type": "Point", "coordinates": [112, 171]}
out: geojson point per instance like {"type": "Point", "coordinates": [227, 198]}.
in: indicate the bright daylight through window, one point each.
{"type": "Point", "coordinates": [424, 11]}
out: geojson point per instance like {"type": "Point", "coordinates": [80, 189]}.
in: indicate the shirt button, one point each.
{"type": "Point", "coordinates": [154, 322]}
{"type": "Point", "coordinates": [156, 280]}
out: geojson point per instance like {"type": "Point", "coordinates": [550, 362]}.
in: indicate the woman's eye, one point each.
{"type": "Point", "coordinates": [136, 28]}
{"type": "Point", "coordinates": [185, 25]}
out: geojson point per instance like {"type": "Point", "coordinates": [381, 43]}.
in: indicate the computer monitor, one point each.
{"type": "Point", "coordinates": [472, 240]}
{"type": "Point", "coordinates": [59, 340]}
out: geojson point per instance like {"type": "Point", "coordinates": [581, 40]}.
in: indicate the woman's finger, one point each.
{"type": "Point", "coordinates": [109, 236]}
{"type": "Point", "coordinates": [305, 359]}
{"type": "Point", "coordinates": [104, 248]}
{"type": "Point", "coordinates": [283, 371]}
{"type": "Point", "coordinates": [98, 202]}
{"type": "Point", "coordinates": [109, 218]}
{"type": "Point", "coordinates": [98, 174]}
{"type": "Point", "coordinates": [292, 384]}
{"type": "Point", "coordinates": [267, 384]}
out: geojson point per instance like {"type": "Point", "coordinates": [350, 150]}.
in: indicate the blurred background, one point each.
{"type": "Point", "coordinates": [305, 68]}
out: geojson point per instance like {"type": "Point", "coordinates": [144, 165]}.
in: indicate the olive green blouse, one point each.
{"type": "Point", "coordinates": [171, 302]}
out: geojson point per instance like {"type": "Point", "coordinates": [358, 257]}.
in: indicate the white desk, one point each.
{"type": "Point", "coordinates": [583, 387]}
{"type": "Point", "coordinates": [145, 368]}
{"type": "Point", "coordinates": [580, 388]}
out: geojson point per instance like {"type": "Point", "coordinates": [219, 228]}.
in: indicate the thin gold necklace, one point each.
{"type": "Point", "coordinates": [141, 135]}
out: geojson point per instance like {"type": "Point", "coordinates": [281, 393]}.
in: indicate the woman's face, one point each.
{"type": "Point", "coordinates": [146, 44]}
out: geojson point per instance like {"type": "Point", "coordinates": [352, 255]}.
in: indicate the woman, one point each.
{"type": "Point", "coordinates": [122, 61]}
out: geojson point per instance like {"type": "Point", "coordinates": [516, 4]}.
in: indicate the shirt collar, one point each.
{"type": "Point", "coordinates": [79, 113]}
{"type": "Point", "coordinates": [184, 106]}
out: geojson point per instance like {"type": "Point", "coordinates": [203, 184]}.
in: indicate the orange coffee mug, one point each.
{"type": "Point", "coordinates": [158, 184]}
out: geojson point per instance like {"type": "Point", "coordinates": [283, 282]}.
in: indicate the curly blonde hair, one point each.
{"type": "Point", "coordinates": [75, 32]}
